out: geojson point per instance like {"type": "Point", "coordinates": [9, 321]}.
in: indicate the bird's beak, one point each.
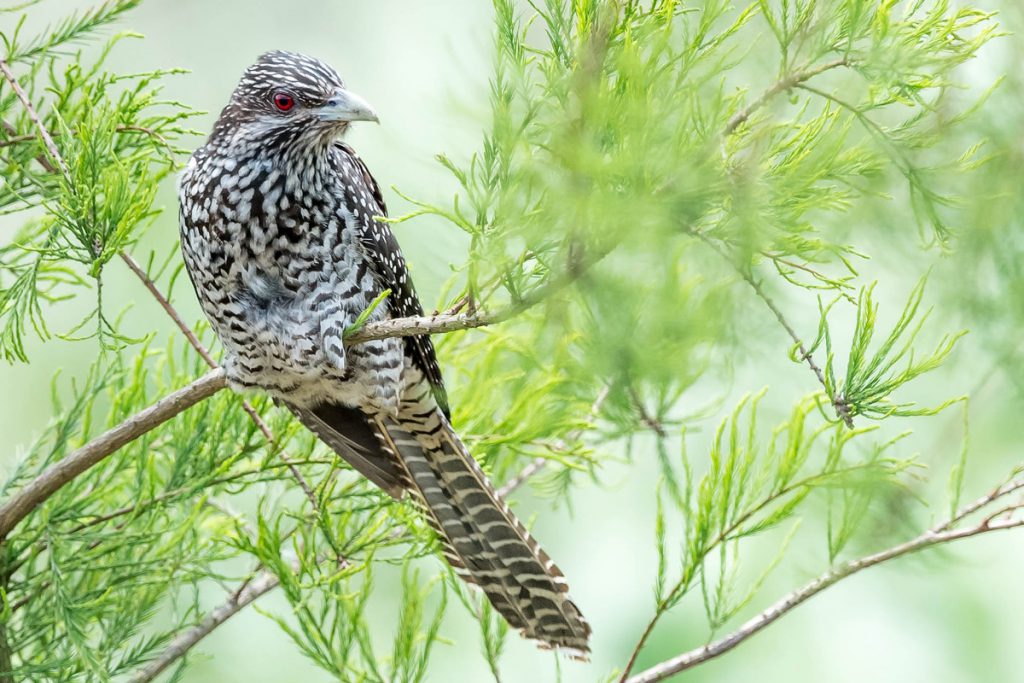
{"type": "Point", "coordinates": [345, 105]}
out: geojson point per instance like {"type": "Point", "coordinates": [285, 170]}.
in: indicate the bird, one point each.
{"type": "Point", "coordinates": [283, 237]}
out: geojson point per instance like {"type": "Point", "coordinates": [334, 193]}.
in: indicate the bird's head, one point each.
{"type": "Point", "coordinates": [289, 96]}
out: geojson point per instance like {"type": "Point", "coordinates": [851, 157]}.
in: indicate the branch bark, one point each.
{"type": "Point", "coordinates": [57, 475]}
{"type": "Point", "coordinates": [789, 82]}
{"type": "Point", "coordinates": [23, 97]}
{"type": "Point", "coordinates": [181, 644]}
{"type": "Point", "coordinates": [937, 535]}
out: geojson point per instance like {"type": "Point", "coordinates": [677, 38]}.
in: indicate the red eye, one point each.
{"type": "Point", "coordinates": [283, 101]}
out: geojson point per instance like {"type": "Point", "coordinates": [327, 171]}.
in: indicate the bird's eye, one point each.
{"type": "Point", "coordinates": [283, 101]}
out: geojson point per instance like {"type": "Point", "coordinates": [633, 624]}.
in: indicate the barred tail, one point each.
{"type": "Point", "coordinates": [483, 540]}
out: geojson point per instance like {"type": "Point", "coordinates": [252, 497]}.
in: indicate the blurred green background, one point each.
{"type": "Point", "coordinates": [952, 615]}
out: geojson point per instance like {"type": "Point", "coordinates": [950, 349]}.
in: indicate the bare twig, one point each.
{"type": "Point", "coordinates": [928, 539]}
{"type": "Point", "coordinates": [534, 466]}
{"type": "Point", "coordinates": [838, 402]}
{"type": "Point", "coordinates": [263, 583]}
{"type": "Point", "coordinates": [649, 421]}
{"type": "Point", "coordinates": [791, 81]}
{"type": "Point", "coordinates": [995, 494]}
{"type": "Point", "coordinates": [730, 532]}
{"type": "Point", "coordinates": [59, 474]}
{"type": "Point", "coordinates": [5, 68]}
{"type": "Point", "coordinates": [165, 303]}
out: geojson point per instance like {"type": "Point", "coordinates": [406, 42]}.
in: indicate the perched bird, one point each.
{"type": "Point", "coordinates": [281, 237]}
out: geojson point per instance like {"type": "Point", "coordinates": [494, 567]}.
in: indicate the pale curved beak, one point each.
{"type": "Point", "coordinates": [345, 105]}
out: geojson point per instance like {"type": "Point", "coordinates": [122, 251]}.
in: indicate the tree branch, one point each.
{"type": "Point", "coordinates": [838, 402]}
{"type": "Point", "coordinates": [791, 81]}
{"type": "Point", "coordinates": [165, 409]}
{"type": "Point", "coordinates": [263, 583]}
{"type": "Point", "coordinates": [5, 69]}
{"type": "Point", "coordinates": [57, 475]}
{"type": "Point", "coordinates": [940, 534]}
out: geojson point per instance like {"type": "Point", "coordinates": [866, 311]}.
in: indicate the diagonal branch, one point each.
{"type": "Point", "coordinates": [937, 535]}
{"type": "Point", "coordinates": [838, 402]}
{"type": "Point", "coordinates": [57, 475]}
{"type": "Point", "coordinates": [263, 583]}
{"type": "Point", "coordinates": [51, 147]}
{"type": "Point", "coordinates": [787, 83]}
{"type": "Point", "coordinates": [167, 408]}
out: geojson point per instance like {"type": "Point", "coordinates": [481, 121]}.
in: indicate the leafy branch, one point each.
{"type": "Point", "coordinates": [1003, 518]}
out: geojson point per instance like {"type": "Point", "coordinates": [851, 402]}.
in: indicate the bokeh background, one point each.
{"type": "Point", "coordinates": [952, 615]}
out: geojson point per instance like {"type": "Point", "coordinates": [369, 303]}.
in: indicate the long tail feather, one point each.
{"type": "Point", "coordinates": [483, 540]}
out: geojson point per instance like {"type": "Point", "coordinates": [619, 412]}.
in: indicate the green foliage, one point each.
{"type": "Point", "coordinates": [116, 142]}
{"type": "Point", "coordinates": [871, 378]}
{"type": "Point", "coordinates": [54, 41]}
{"type": "Point", "coordinates": [750, 488]}
{"type": "Point", "coordinates": [650, 172]}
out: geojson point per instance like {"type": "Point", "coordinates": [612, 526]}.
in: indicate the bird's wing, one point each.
{"type": "Point", "coordinates": [382, 247]}
{"type": "Point", "coordinates": [352, 436]}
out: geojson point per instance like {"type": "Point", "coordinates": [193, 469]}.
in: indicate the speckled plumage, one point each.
{"type": "Point", "coordinates": [280, 236]}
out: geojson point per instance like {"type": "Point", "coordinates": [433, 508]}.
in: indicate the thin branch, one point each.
{"type": "Point", "coordinates": [146, 503]}
{"type": "Point", "coordinates": [697, 656]}
{"type": "Point", "coordinates": [791, 81]}
{"type": "Point", "coordinates": [14, 138]}
{"type": "Point", "coordinates": [172, 312]}
{"type": "Point", "coordinates": [534, 466]}
{"type": "Point", "coordinates": [50, 481]}
{"type": "Point", "coordinates": [648, 420]}
{"type": "Point", "coordinates": [938, 535]}
{"type": "Point", "coordinates": [263, 583]}
{"type": "Point", "coordinates": [990, 497]}
{"type": "Point", "coordinates": [34, 116]}
{"type": "Point", "coordinates": [838, 402]}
